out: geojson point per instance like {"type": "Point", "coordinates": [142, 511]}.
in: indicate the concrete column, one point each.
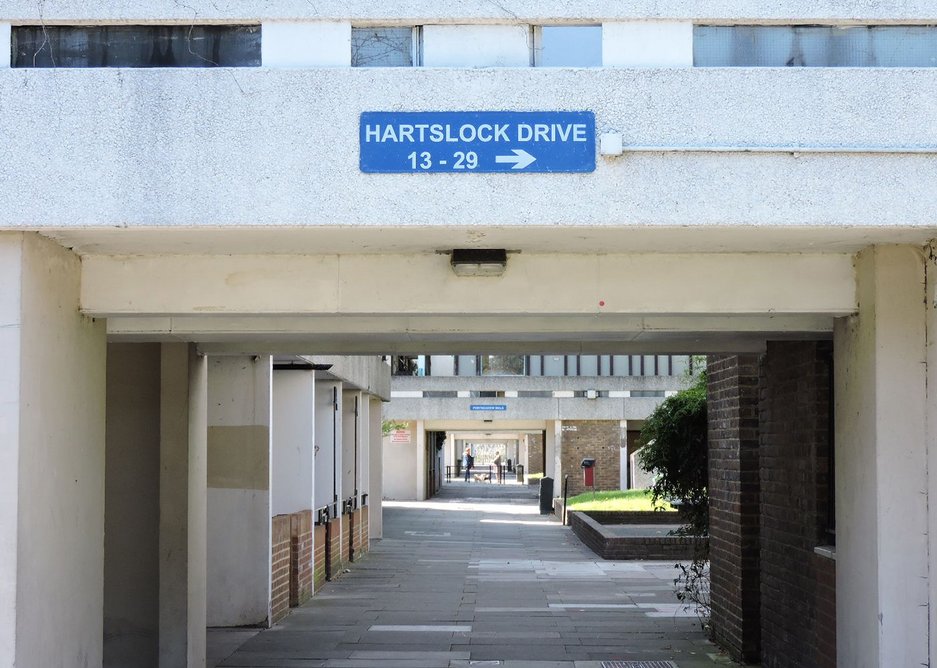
{"type": "Point", "coordinates": [239, 516]}
{"type": "Point", "coordinates": [624, 473]}
{"type": "Point", "coordinates": [131, 515]}
{"type": "Point", "coordinates": [52, 456]}
{"type": "Point", "coordinates": [328, 450]}
{"type": "Point", "coordinates": [376, 474]}
{"type": "Point", "coordinates": [351, 441]}
{"type": "Point", "coordinates": [553, 449]}
{"type": "Point", "coordinates": [882, 569]}
{"type": "Point", "coordinates": [421, 463]}
{"type": "Point", "coordinates": [182, 506]}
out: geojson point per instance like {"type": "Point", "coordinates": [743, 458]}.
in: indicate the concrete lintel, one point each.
{"type": "Point", "coordinates": [649, 284]}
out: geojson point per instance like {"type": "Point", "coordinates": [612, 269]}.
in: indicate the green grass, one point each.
{"type": "Point", "coordinates": [629, 499]}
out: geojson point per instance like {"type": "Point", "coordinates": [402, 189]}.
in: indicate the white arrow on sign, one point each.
{"type": "Point", "coordinates": [521, 158]}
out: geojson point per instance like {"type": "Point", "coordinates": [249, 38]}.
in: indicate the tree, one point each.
{"type": "Point", "coordinates": [675, 449]}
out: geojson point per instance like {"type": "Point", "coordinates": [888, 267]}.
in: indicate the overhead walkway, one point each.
{"type": "Point", "coordinates": [478, 577]}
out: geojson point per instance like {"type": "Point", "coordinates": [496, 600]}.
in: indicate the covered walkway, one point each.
{"type": "Point", "coordinates": [477, 577]}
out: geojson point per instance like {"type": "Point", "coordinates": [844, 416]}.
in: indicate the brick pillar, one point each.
{"type": "Point", "coordinates": [534, 454]}
{"type": "Point", "coordinates": [300, 557]}
{"type": "Point", "coordinates": [318, 558]}
{"type": "Point", "coordinates": [365, 544]}
{"type": "Point", "coordinates": [599, 439]}
{"type": "Point", "coordinates": [733, 503]}
{"type": "Point", "coordinates": [280, 568]}
{"type": "Point", "coordinates": [335, 547]}
{"type": "Point", "coordinates": [795, 464]}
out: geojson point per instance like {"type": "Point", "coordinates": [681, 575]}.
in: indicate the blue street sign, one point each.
{"type": "Point", "coordinates": [463, 142]}
{"type": "Point", "coordinates": [489, 407]}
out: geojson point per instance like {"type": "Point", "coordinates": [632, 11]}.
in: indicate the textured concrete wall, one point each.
{"type": "Point", "coordinates": [146, 144]}
{"type": "Point", "coordinates": [425, 11]}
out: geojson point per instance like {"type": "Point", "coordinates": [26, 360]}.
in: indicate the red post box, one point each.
{"type": "Point", "coordinates": [588, 472]}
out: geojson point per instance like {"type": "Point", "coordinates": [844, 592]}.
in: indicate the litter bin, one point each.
{"type": "Point", "coordinates": [546, 496]}
{"type": "Point", "coordinates": [588, 472]}
{"type": "Point", "coordinates": [519, 469]}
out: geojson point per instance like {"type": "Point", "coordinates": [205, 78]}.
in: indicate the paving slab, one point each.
{"type": "Point", "coordinates": [477, 577]}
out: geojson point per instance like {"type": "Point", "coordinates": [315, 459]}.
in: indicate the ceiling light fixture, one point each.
{"type": "Point", "coordinates": [478, 261]}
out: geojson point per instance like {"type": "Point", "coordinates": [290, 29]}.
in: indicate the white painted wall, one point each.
{"type": "Point", "coordinates": [239, 516]}
{"type": "Point", "coordinates": [883, 566]}
{"type": "Point", "coordinates": [401, 467]}
{"type": "Point", "coordinates": [52, 406]}
{"type": "Point", "coordinates": [131, 515]}
{"type": "Point", "coordinates": [476, 45]}
{"type": "Point", "coordinates": [647, 44]}
{"type": "Point", "coordinates": [376, 474]}
{"type": "Point", "coordinates": [182, 506]}
{"type": "Point", "coordinates": [419, 476]}
{"type": "Point", "coordinates": [312, 44]}
{"type": "Point", "coordinates": [552, 447]}
{"type": "Point", "coordinates": [293, 437]}
{"type": "Point", "coordinates": [364, 450]}
{"type": "Point", "coordinates": [328, 457]}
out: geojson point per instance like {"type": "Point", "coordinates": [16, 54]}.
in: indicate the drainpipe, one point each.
{"type": "Point", "coordinates": [335, 447]}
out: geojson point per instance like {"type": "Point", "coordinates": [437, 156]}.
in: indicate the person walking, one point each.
{"type": "Point", "coordinates": [497, 463]}
{"type": "Point", "coordinates": [467, 462]}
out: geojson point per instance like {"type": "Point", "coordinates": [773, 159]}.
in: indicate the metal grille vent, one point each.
{"type": "Point", "coordinates": [639, 664]}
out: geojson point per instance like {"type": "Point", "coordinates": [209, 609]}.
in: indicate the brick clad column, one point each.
{"type": "Point", "coordinates": [300, 557]}
{"type": "Point", "coordinates": [318, 558]}
{"type": "Point", "coordinates": [733, 503]}
{"type": "Point", "coordinates": [280, 568]}
{"type": "Point", "coordinates": [598, 439]}
{"type": "Point", "coordinates": [794, 456]}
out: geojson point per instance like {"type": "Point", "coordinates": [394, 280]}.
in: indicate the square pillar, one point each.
{"type": "Point", "coordinates": [734, 503]}
{"type": "Point", "coordinates": [883, 443]}
{"type": "Point", "coordinates": [183, 429]}
{"type": "Point", "coordinates": [52, 457]}
{"type": "Point", "coordinates": [376, 476]}
{"type": "Point", "coordinates": [131, 515]}
{"type": "Point", "coordinates": [238, 497]}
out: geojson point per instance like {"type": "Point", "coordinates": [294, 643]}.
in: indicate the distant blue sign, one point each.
{"type": "Point", "coordinates": [489, 407]}
{"type": "Point", "coordinates": [462, 142]}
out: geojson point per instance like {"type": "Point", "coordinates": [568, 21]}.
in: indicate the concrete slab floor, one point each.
{"type": "Point", "coordinates": [477, 577]}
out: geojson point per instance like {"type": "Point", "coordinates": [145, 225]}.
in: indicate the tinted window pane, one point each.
{"type": "Point", "coordinates": [621, 365]}
{"type": "Point", "coordinates": [553, 365]}
{"type": "Point", "coordinates": [442, 365]}
{"type": "Point", "coordinates": [572, 365]}
{"type": "Point", "coordinates": [815, 46]}
{"type": "Point", "coordinates": [381, 47]}
{"type": "Point", "coordinates": [588, 365]}
{"type": "Point", "coordinates": [663, 365]}
{"type": "Point", "coordinates": [570, 46]}
{"type": "Point", "coordinates": [536, 365]}
{"type": "Point", "coordinates": [467, 366]}
{"type": "Point", "coordinates": [649, 366]}
{"type": "Point", "coordinates": [136, 46]}
{"type": "Point", "coordinates": [605, 365]}
{"type": "Point", "coordinates": [681, 364]}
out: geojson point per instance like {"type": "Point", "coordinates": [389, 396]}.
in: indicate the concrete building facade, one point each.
{"type": "Point", "coordinates": [763, 173]}
{"type": "Point", "coordinates": [544, 412]}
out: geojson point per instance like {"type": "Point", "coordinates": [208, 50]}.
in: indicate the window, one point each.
{"type": "Point", "coordinates": [466, 365]}
{"type": "Point", "coordinates": [568, 46]}
{"type": "Point", "coordinates": [136, 46]}
{"type": "Point", "coordinates": [535, 368]}
{"type": "Point", "coordinates": [554, 365]}
{"type": "Point", "coordinates": [502, 365]}
{"type": "Point", "coordinates": [384, 47]}
{"type": "Point", "coordinates": [441, 365]}
{"type": "Point", "coordinates": [814, 46]}
{"type": "Point", "coordinates": [588, 365]}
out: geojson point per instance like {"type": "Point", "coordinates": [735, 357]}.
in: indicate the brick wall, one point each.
{"type": "Point", "coordinates": [365, 545]}
{"type": "Point", "coordinates": [346, 538]}
{"type": "Point", "coordinates": [794, 457]}
{"type": "Point", "coordinates": [825, 626]}
{"type": "Point", "coordinates": [734, 503]}
{"type": "Point", "coordinates": [356, 535]}
{"type": "Point", "coordinates": [534, 454]}
{"type": "Point", "coordinates": [335, 547]}
{"type": "Point", "coordinates": [599, 439]}
{"type": "Point", "coordinates": [280, 570]}
{"type": "Point", "coordinates": [300, 557]}
{"type": "Point", "coordinates": [318, 557]}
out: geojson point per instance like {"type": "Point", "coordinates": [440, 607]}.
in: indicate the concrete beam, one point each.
{"type": "Point", "coordinates": [736, 284]}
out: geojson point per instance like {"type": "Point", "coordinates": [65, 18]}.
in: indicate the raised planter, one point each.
{"type": "Point", "coordinates": [607, 545]}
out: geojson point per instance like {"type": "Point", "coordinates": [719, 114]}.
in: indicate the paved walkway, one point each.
{"type": "Point", "coordinates": [476, 577]}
